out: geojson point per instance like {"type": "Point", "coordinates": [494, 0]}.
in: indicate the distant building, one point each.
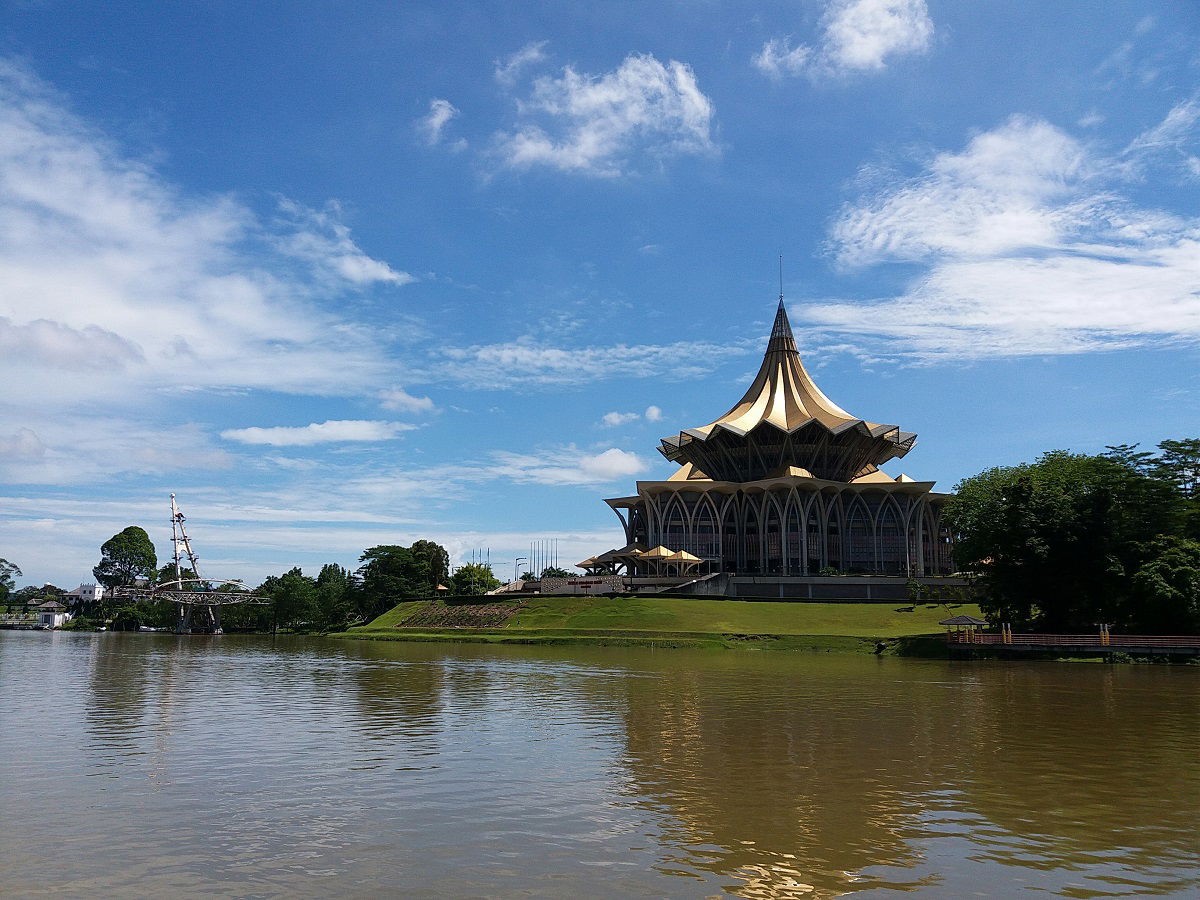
{"type": "Point", "coordinates": [786, 483]}
{"type": "Point", "coordinates": [84, 595]}
{"type": "Point", "coordinates": [52, 614]}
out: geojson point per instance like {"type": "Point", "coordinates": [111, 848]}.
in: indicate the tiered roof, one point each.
{"type": "Point", "coordinates": [785, 422]}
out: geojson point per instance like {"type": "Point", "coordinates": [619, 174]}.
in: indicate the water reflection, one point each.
{"type": "Point", "coordinates": [252, 766]}
{"type": "Point", "coordinates": [815, 775]}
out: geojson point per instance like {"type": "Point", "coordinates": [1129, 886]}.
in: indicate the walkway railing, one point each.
{"type": "Point", "coordinates": [1103, 639]}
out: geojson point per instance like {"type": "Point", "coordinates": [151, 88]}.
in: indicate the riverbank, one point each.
{"type": "Point", "coordinates": [669, 622]}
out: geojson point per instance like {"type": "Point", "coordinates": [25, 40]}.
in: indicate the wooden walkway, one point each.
{"type": "Point", "coordinates": [1100, 642]}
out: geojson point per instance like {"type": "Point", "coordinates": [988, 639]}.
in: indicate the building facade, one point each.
{"type": "Point", "coordinates": [788, 483]}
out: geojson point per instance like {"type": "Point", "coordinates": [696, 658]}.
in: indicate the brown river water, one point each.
{"type": "Point", "coordinates": [146, 765]}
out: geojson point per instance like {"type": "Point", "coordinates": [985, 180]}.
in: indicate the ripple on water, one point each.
{"type": "Point", "coordinates": [301, 767]}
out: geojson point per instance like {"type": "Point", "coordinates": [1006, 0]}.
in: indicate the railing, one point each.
{"type": "Point", "coordinates": [1100, 639]}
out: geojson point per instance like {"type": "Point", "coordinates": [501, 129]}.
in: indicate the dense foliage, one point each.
{"type": "Point", "coordinates": [473, 578]}
{"type": "Point", "coordinates": [9, 572]}
{"type": "Point", "coordinates": [1073, 540]}
{"type": "Point", "coordinates": [125, 557]}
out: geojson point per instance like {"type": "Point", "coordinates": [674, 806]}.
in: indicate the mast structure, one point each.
{"type": "Point", "coordinates": [197, 600]}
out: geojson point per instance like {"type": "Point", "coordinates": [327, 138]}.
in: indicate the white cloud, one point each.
{"type": "Point", "coordinates": [653, 414]}
{"type": "Point", "coordinates": [108, 268]}
{"type": "Point", "coordinates": [42, 341]}
{"type": "Point", "coordinates": [856, 36]}
{"type": "Point", "coordinates": [614, 419]}
{"type": "Point", "coordinates": [336, 431]}
{"type": "Point", "coordinates": [496, 366]}
{"type": "Point", "coordinates": [778, 58]}
{"type": "Point", "coordinates": [593, 124]}
{"type": "Point", "coordinates": [1005, 191]}
{"type": "Point", "coordinates": [508, 69]}
{"type": "Point", "coordinates": [432, 125]}
{"type": "Point", "coordinates": [62, 450]}
{"type": "Point", "coordinates": [568, 466]}
{"type": "Point", "coordinates": [320, 239]}
{"type": "Point", "coordinates": [1174, 136]}
{"type": "Point", "coordinates": [1030, 248]}
{"type": "Point", "coordinates": [400, 400]}
{"type": "Point", "coordinates": [23, 444]}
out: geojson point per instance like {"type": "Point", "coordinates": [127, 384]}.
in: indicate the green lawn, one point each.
{"type": "Point", "coordinates": [545, 617]}
{"type": "Point", "coordinates": [733, 616]}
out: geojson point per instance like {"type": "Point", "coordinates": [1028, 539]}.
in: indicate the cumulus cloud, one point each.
{"type": "Point", "coordinates": [60, 346]}
{"type": "Point", "coordinates": [1029, 247]}
{"type": "Point", "coordinates": [433, 124]}
{"type": "Point", "coordinates": [400, 400]}
{"type": "Point", "coordinates": [856, 36]}
{"type": "Point", "coordinates": [614, 419]}
{"type": "Point", "coordinates": [594, 124]}
{"type": "Point", "coordinates": [509, 69]}
{"type": "Point", "coordinates": [569, 466]}
{"type": "Point", "coordinates": [336, 431]}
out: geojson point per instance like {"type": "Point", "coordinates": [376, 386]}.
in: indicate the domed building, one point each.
{"type": "Point", "coordinates": [785, 484]}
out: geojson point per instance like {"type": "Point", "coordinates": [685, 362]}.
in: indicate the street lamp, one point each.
{"type": "Point", "coordinates": [516, 562]}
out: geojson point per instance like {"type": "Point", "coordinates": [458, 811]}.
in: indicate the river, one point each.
{"type": "Point", "coordinates": [155, 766]}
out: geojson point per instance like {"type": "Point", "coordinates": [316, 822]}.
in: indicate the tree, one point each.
{"type": "Point", "coordinates": [1141, 461]}
{"type": "Point", "coordinates": [9, 572]}
{"type": "Point", "coordinates": [473, 578]}
{"type": "Point", "coordinates": [1165, 591]}
{"type": "Point", "coordinates": [293, 596]}
{"type": "Point", "coordinates": [438, 560]}
{"type": "Point", "coordinates": [555, 572]}
{"type": "Point", "coordinates": [389, 574]}
{"type": "Point", "coordinates": [1054, 541]}
{"type": "Point", "coordinates": [528, 576]}
{"type": "Point", "coordinates": [334, 596]}
{"type": "Point", "coordinates": [1179, 463]}
{"type": "Point", "coordinates": [167, 574]}
{"type": "Point", "coordinates": [124, 557]}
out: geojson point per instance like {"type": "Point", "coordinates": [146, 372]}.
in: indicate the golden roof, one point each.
{"type": "Point", "coordinates": [783, 394]}
{"type": "Point", "coordinates": [659, 552]}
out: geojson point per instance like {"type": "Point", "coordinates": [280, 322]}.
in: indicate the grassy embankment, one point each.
{"type": "Point", "coordinates": [679, 622]}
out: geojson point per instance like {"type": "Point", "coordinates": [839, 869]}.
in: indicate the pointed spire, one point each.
{"type": "Point", "coordinates": [781, 333]}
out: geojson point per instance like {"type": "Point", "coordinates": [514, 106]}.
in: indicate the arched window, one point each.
{"type": "Point", "coordinates": [833, 538]}
{"type": "Point", "coordinates": [637, 526]}
{"type": "Point", "coordinates": [751, 539]}
{"type": "Point", "coordinates": [729, 538]}
{"type": "Point", "coordinates": [773, 538]}
{"type": "Point", "coordinates": [706, 542]}
{"type": "Point", "coordinates": [795, 535]}
{"type": "Point", "coordinates": [859, 555]}
{"type": "Point", "coordinates": [891, 543]}
{"type": "Point", "coordinates": [815, 541]}
{"type": "Point", "coordinates": [675, 526]}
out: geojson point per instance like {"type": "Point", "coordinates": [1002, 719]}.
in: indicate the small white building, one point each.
{"type": "Point", "coordinates": [84, 594]}
{"type": "Point", "coordinates": [52, 614]}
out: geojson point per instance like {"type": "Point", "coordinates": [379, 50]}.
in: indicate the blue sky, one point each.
{"type": "Point", "coordinates": [349, 274]}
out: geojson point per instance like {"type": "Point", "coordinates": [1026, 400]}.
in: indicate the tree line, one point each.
{"type": "Point", "coordinates": [1073, 540]}
{"type": "Point", "coordinates": [335, 598]}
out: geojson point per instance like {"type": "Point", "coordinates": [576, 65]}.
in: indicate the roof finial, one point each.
{"type": "Point", "coordinates": [781, 279]}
